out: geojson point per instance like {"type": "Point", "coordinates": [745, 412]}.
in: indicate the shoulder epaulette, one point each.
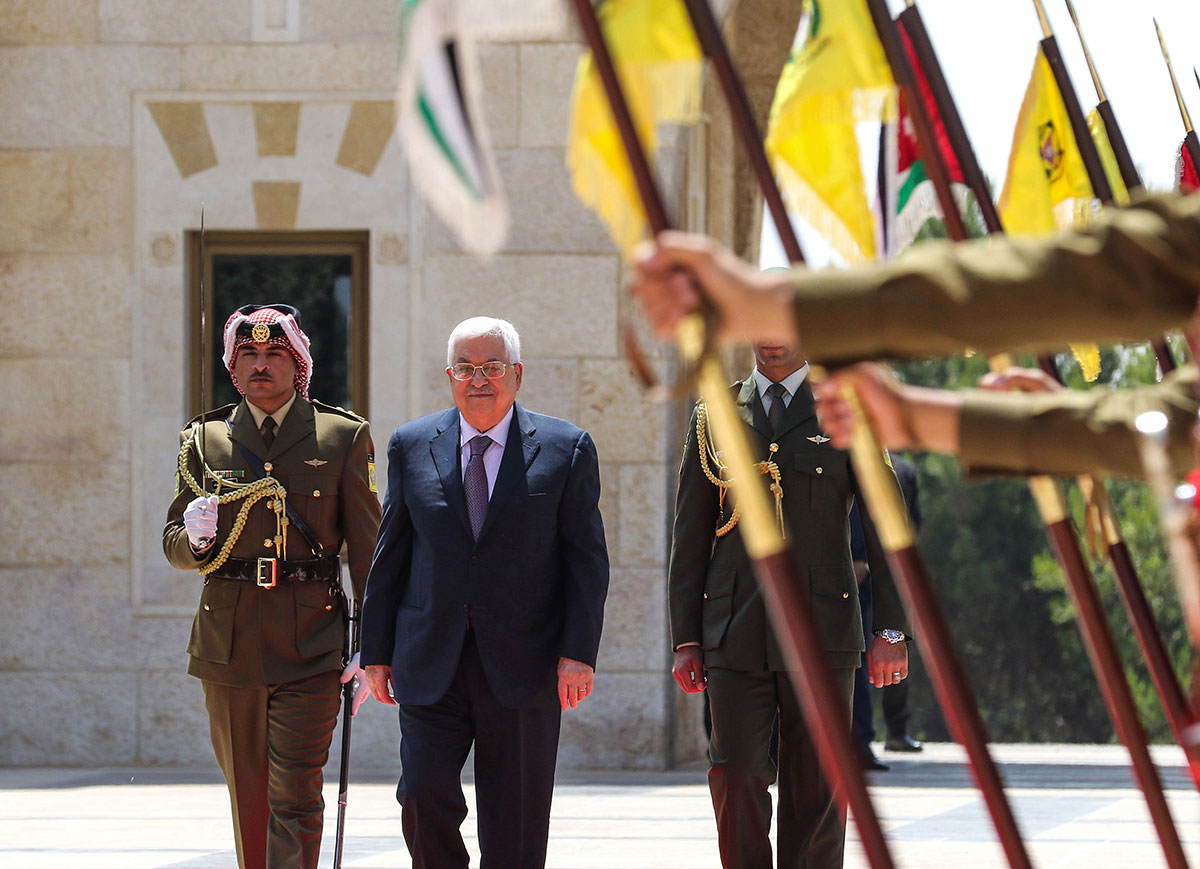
{"type": "Point", "coordinates": [214, 413]}
{"type": "Point", "coordinates": [329, 408]}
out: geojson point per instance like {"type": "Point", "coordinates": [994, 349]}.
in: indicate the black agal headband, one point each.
{"type": "Point", "coordinates": [260, 333]}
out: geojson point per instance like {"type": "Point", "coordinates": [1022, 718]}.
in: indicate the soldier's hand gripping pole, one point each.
{"type": "Point", "coordinates": [353, 620]}
{"type": "Point", "coordinates": [774, 567]}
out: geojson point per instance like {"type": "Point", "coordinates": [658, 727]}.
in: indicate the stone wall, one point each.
{"type": "Point", "coordinates": [121, 118]}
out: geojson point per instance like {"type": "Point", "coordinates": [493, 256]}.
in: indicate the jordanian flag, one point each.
{"type": "Point", "coordinates": [911, 199]}
{"type": "Point", "coordinates": [440, 122]}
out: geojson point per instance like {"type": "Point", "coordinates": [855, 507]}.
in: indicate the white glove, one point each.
{"type": "Point", "coordinates": [361, 689]}
{"type": "Point", "coordinates": [200, 522]}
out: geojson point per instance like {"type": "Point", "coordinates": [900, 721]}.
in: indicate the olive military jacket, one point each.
{"type": "Point", "coordinates": [713, 596]}
{"type": "Point", "coordinates": [1131, 275]}
{"type": "Point", "coordinates": [1075, 432]}
{"type": "Point", "coordinates": [245, 635]}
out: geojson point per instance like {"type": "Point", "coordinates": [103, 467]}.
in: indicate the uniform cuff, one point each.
{"type": "Point", "coordinates": [993, 440]}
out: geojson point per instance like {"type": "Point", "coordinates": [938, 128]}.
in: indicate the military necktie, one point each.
{"type": "Point", "coordinates": [267, 430]}
{"type": "Point", "coordinates": [775, 414]}
{"type": "Point", "coordinates": [475, 484]}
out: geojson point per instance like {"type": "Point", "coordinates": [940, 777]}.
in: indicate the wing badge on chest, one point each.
{"type": "Point", "coordinates": [818, 439]}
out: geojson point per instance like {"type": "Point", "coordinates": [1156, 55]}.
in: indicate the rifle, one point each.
{"type": "Point", "coordinates": [353, 623]}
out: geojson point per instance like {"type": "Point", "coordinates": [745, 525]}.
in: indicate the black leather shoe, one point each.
{"type": "Point", "coordinates": [904, 742]}
{"type": "Point", "coordinates": [869, 761]}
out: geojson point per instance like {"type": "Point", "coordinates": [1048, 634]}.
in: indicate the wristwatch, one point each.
{"type": "Point", "coordinates": [890, 635]}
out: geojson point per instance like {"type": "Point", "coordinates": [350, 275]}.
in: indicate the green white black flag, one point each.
{"type": "Point", "coordinates": [440, 122]}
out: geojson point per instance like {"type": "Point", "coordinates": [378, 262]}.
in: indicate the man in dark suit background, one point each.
{"type": "Point", "coordinates": [720, 630]}
{"type": "Point", "coordinates": [484, 603]}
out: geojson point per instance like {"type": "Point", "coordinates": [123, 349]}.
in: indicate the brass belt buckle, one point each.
{"type": "Point", "coordinates": [267, 572]}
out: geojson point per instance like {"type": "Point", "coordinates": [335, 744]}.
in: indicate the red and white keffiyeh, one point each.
{"type": "Point", "coordinates": [292, 339]}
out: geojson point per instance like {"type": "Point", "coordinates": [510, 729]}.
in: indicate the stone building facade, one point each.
{"type": "Point", "coordinates": [121, 119]}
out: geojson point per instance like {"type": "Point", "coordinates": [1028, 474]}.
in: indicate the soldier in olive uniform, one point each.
{"type": "Point", "coordinates": [290, 481]}
{"type": "Point", "coordinates": [1131, 275]}
{"type": "Point", "coordinates": [721, 634]}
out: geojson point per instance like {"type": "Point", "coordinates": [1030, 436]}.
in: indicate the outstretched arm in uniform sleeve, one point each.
{"type": "Point", "coordinates": [696, 512]}
{"type": "Point", "coordinates": [1131, 275]}
{"type": "Point", "coordinates": [359, 508]}
{"type": "Point", "coordinates": [1063, 432]}
{"type": "Point", "coordinates": [1074, 432]}
{"type": "Point", "coordinates": [389, 571]}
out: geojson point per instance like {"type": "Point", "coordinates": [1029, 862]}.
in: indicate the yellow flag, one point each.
{"type": "Point", "coordinates": [1107, 158]}
{"type": "Point", "coordinates": [659, 62]}
{"type": "Point", "coordinates": [836, 78]}
{"type": "Point", "coordinates": [1047, 183]}
{"type": "Point", "coordinates": [1047, 186]}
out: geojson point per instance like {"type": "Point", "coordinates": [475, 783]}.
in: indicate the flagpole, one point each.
{"type": "Point", "coordinates": [910, 96]}
{"type": "Point", "coordinates": [1129, 173]}
{"type": "Point", "coordinates": [1083, 136]}
{"type": "Point", "coordinates": [1051, 505]}
{"type": "Point", "coordinates": [1190, 140]}
{"type": "Point", "coordinates": [773, 562]}
{"type": "Point", "coordinates": [948, 677]}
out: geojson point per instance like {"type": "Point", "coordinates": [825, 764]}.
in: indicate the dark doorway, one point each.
{"type": "Point", "coordinates": [321, 274]}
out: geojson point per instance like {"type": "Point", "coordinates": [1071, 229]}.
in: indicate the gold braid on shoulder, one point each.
{"type": "Point", "coordinates": [250, 493]}
{"type": "Point", "coordinates": [710, 457]}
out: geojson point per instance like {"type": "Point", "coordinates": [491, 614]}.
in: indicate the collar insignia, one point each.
{"type": "Point", "coordinates": [316, 463]}
{"type": "Point", "coordinates": [818, 439]}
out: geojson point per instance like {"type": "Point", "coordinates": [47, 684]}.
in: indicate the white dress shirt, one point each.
{"type": "Point", "coordinates": [790, 383]}
{"type": "Point", "coordinates": [259, 414]}
{"type": "Point", "coordinates": [495, 451]}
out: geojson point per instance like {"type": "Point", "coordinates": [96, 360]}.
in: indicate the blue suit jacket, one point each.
{"type": "Point", "coordinates": [534, 583]}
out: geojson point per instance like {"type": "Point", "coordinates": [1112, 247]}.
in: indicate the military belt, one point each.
{"type": "Point", "coordinates": [268, 572]}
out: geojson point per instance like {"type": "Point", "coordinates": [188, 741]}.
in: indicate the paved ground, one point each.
{"type": "Point", "coordinates": [1077, 806]}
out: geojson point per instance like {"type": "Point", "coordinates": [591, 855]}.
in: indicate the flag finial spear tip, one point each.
{"type": "Point", "coordinates": [1183, 112]}
{"type": "Point", "coordinates": [1100, 95]}
{"type": "Point", "coordinates": [1043, 19]}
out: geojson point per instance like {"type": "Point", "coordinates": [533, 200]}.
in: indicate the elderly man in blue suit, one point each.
{"type": "Point", "coordinates": [484, 603]}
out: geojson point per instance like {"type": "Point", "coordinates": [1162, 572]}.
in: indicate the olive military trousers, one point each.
{"type": "Point", "coordinates": [271, 742]}
{"type": "Point", "coordinates": [811, 828]}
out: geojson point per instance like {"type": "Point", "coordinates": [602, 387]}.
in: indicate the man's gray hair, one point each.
{"type": "Point", "coordinates": [476, 327]}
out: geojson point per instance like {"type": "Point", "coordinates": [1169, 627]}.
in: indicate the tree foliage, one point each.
{"type": "Point", "coordinates": [1005, 597]}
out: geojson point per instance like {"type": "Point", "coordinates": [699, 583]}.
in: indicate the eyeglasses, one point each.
{"type": "Point", "coordinates": [466, 371]}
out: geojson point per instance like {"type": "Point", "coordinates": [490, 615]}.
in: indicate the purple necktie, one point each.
{"type": "Point", "coordinates": [475, 483]}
